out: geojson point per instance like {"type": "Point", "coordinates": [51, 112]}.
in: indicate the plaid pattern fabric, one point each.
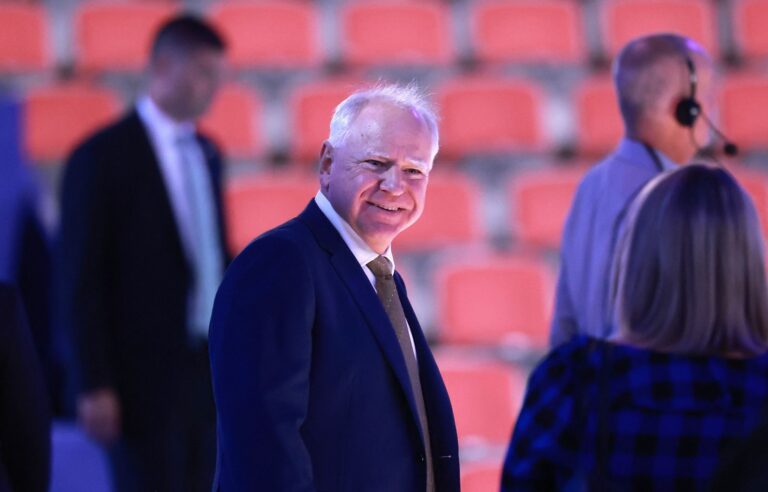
{"type": "Point", "coordinates": [668, 419]}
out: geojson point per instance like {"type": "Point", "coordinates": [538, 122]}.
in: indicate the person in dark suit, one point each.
{"type": "Point", "coordinates": [141, 254]}
{"type": "Point", "coordinates": [323, 380]}
{"type": "Point", "coordinates": [25, 421]}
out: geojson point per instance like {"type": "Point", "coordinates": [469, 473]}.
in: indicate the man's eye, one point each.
{"type": "Point", "coordinates": [374, 162]}
{"type": "Point", "coordinates": [415, 172]}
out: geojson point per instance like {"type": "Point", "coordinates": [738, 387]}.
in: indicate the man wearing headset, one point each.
{"type": "Point", "coordinates": [664, 88]}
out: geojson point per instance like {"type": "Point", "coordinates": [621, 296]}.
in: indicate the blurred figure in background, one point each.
{"type": "Point", "coordinates": [25, 252]}
{"type": "Point", "coordinates": [141, 253]}
{"type": "Point", "coordinates": [660, 79]}
{"type": "Point", "coordinates": [685, 376]}
{"type": "Point", "coordinates": [25, 421]}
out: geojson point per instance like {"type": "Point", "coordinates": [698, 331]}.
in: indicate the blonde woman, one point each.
{"type": "Point", "coordinates": [686, 375]}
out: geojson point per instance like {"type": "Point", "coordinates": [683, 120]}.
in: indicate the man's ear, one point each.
{"type": "Point", "coordinates": [326, 161]}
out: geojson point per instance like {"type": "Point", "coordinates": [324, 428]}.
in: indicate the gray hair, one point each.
{"type": "Point", "coordinates": [407, 96]}
{"type": "Point", "coordinates": [641, 72]}
{"type": "Point", "coordinates": [690, 272]}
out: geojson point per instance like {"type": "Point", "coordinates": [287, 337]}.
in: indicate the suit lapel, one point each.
{"type": "Point", "coordinates": [146, 160]}
{"type": "Point", "coordinates": [360, 289]}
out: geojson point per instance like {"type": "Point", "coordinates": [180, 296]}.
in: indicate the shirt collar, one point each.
{"type": "Point", "coordinates": [627, 146]}
{"type": "Point", "coordinates": [160, 123]}
{"type": "Point", "coordinates": [363, 253]}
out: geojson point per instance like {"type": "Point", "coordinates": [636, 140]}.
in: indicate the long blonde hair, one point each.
{"type": "Point", "coordinates": [689, 273]}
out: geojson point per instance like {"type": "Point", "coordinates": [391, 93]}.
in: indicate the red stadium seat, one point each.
{"type": "Point", "coordinates": [486, 115]}
{"type": "Point", "coordinates": [485, 395]}
{"type": "Point", "coordinates": [272, 34]}
{"type": "Point", "coordinates": [623, 20]}
{"type": "Point", "coordinates": [451, 215]}
{"type": "Point", "coordinates": [481, 477]}
{"type": "Point", "coordinates": [23, 37]}
{"type": "Point", "coordinates": [234, 121]}
{"type": "Point", "coordinates": [755, 183]}
{"type": "Point", "coordinates": [396, 32]}
{"type": "Point", "coordinates": [311, 108]}
{"type": "Point", "coordinates": [743, 106]}
{"type": "Point", "coordinates": [528, 31]}
{"type": "Point", "coordinates": [58, 117]}
{"type": "Point", "coordinates": [495, 300]}
{"type": "Point", "coordinates": [749, 20]}
{"type": "Point", "coordinates": [259, 203]}
{"type": "Point", "coordinates": [117, 35]}
{"type": "Point", "coordinates": [599, 126]}
{"type": "Point", "coordinates": [540, 201]}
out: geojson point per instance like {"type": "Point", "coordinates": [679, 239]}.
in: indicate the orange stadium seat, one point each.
{"type": "Point", "coordinates": [117, 35]}
{"type": "Point", "coordinates": [451, 215]}
{"type": "Point", "coordinates": [23, 37]}
{"type": "Point", "coordinates": [396, 32]}
{"type": "Point", "coordinates": [599, 126]}
{"type": "Point", "coordinates": [274, 34]}
{"type": "Point", "coordinates": [259, 203]}
{"type": "Point", "coordinates": [750, 35]}
{"type": "Point", "coordinates": [234, 121]}
{"type": "Point", "coordinates": [486, 396]}
{"type": "Point", "coordinates": [540, 201]}
{"type": "Point", "coordinates": [58, 117]}
{"type": "Point", "coordinates": [481, 477]}
{"type": "Point", "coordinates": [623, 20]}
{"type": "Point", "coordinates": [755, 183]}
{"type": "Point", "coordinates": [487, 115]}
{"type": "Point", "coordinates": [743, 106]}
{"type": "Point", "coordinates": [311, 108]}
{"type": "Point", "coordinates": [527, 31]}
{"type": "Point", "coordinates": [495, 300]}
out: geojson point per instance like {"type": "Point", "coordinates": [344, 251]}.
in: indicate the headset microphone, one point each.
{"type": "Point", "coordinates": [729, 148]}
{"type": "Point", "coordinates": [688, 110]}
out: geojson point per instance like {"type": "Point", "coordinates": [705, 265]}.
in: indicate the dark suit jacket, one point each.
{"type": "Point", "coordinates": [25, 425]}
{"type": "Point", "coordinates": [124, 277]}
{"type": "Point", "coordinates": [311, 388]}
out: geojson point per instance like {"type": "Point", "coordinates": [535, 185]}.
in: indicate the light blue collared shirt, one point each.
{"type": "Point", "coordinates": [591, 231]}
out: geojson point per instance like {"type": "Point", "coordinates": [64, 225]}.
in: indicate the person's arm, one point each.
{"type": "Point", "coordinates": [260, 344]}
{"type": "Point", "coordinates": [564, 325]}
{"type": "Point", "coordinates": [25, 423]}
{"type": "Point", "coordinates": [83, 287]}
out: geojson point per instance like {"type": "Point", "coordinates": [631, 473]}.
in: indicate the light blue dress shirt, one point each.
{"type": "Point", "coordinates": [586, 251]}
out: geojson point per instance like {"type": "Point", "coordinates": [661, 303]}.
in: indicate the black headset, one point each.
{"type": "Point", "coordinates": [688, 108]}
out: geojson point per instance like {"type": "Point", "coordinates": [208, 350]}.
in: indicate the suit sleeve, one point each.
{"type": "Point", "coordinates": [84, 271]}
{"type": "Point", "coordinates": [24, 410]}
{"type": "Point", "coordinates": [260, 342]}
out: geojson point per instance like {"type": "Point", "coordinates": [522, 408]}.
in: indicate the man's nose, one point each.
{"type": "Point", "coordinates": [392, 181]}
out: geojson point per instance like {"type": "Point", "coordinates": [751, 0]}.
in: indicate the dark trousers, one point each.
{"type": "Point", "coordinates": [180, 455]}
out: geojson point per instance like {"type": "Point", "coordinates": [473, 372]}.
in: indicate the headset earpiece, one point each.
{"type": "Point", "coordinates": [687, 111]}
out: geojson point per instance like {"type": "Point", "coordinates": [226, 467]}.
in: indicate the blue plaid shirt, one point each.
{"type": "Point", "coordinates": [666, 419]}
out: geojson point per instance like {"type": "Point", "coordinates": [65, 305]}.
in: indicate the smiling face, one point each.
{"type": "Point", "coordinates": [376, 179]}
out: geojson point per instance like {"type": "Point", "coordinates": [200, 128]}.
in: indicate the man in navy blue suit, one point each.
{"type": "Point", "coordinates": [322, 377]}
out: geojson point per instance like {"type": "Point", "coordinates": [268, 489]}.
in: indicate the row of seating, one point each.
{"type": "Point", "coordinates": [291, 33]}
{"type": "Point", "coordinates": [480, 115]}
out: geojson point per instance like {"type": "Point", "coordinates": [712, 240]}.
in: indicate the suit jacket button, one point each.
{"type": "Point", "coordinates": [422, 459]}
